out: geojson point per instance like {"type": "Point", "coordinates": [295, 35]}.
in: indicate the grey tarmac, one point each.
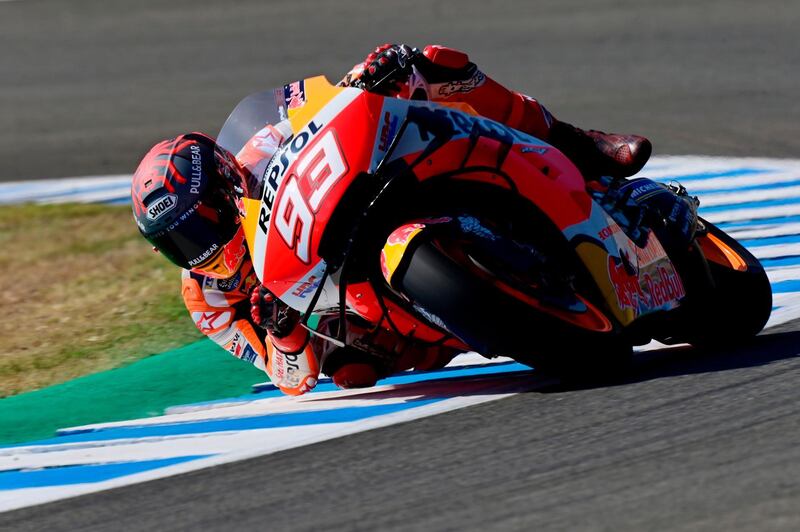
{"type": "Point", "coordinates": [690, 441]}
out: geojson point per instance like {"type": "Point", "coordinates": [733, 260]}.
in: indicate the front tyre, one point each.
{"type": "Point", "coordinates": [496, 314]}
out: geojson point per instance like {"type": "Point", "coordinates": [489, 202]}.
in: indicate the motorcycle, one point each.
{"type": "Point", "coordinates": [448, 228]}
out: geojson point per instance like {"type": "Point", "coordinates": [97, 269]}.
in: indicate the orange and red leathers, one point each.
{"type": "Point", "coordinates": [220, 308]}
{"type": "Point", "coordinates": [456, 80]}
{"type": "Point", "coordinates": [486, 96]}
{"type": "Point", "coordinates": [215, 306]}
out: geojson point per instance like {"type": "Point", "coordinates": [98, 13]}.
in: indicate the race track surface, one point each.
{"type": "Point", "coordinates": [690, 441]}
{"type": "Point", "coordinates": [89, 85]}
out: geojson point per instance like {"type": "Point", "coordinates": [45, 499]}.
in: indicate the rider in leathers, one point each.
{"type": "Point", "coordinates": [222, 293]}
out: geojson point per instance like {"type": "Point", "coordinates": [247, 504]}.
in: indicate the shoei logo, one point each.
{"type": "Point", "coordinates": [162, 206]}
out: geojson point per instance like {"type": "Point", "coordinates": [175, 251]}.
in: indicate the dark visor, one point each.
{"type": "Point", "coordinates": [196, 238]}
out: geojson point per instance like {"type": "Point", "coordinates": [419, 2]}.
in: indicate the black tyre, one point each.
{"type": "Point", "coordinates": [737, 305]}
{"type": "Point", "coordinates": [466, 298]}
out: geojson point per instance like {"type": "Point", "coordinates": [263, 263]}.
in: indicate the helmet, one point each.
{"type": "Point", "coordinates": [185, 194]}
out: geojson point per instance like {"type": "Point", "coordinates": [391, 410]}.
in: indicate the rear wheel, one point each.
{"type": "Point", "coordinates": [736, 305]}
{"type": "Point", "coordinates": [535, 317]}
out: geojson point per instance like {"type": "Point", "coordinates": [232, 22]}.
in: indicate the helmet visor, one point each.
{"type": "Point", "coordinates": [198, 234]}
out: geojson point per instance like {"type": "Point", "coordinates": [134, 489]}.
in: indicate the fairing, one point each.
{"type": "Point", "coordinates": [339, 134]}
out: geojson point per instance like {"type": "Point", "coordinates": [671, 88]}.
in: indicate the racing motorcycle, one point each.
{"type": "Point", "coordinates": [451, 229]}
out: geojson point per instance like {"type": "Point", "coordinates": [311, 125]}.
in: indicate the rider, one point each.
{"type": "Point", "coordinates": [187, 197]}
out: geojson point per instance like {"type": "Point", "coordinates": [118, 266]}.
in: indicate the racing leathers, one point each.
{"type": "Point", "coordinates": [221, 308]}
{"type": "Point", "coordinates": [442, 74]}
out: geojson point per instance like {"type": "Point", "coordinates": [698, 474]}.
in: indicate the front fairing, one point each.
{"type": "Point", "coordinates": [299, 187]}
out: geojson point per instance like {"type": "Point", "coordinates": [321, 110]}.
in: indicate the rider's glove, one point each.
{"type": "Point", "coordinates": [387, 68]}
{"type": "Point", "coordinates": [272, 315]}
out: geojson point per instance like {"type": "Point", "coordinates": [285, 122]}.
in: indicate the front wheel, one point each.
{"type": "Point", "coordinates": [495, 311]}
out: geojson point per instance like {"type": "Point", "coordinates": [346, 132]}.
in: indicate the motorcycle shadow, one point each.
{"type": "Point", "coordinates": [653, 364]}
{"type": "Point", "coordinates": [767, 348]}
{"type": "Point", "coordinates": [448, 383]}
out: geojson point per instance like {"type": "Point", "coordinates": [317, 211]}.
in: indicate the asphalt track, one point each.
{"type": "Point", "coordinates": [694, 441]}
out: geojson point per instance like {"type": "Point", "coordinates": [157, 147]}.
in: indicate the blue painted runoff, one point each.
{"type": "Point", "coordinates": [770, 241]}
{"type": "Point", "coordinates": [780, 261]}
{"type": "Point", "coordinates": [410, 377]}
{"type": "Point", "coordinates": [266, 421]}
{"type": "Point", "coordinates": [83, 474]}
{"type": "Point", "coordinates": [784, 287]}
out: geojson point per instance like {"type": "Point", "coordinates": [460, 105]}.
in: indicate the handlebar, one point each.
{"type": "Point", "coordinates": [404, 64]}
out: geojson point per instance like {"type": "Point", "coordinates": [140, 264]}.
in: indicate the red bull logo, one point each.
{"type": "Point", "coordinates": [626, 285]}
{"type": "Point", "coordinates": [646, 290]}
{"type": "Point", "coordinates": [234, 252]}
{"type": "Point", "coordinates": [664, 287]}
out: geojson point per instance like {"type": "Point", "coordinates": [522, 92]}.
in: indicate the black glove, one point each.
{"type": "Point", "coordinates": [387, 68]}
{"type": "Point", "coordinates": [271, 314]}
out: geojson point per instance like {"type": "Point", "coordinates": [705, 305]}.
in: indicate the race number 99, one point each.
{"type": "Point", "coordinates": [319, 168]}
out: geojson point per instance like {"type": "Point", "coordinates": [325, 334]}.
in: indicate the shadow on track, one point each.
{"type": "Point", "coordinates": [686, 360]}
{"type": "Point", "coordinates": [647, 365]}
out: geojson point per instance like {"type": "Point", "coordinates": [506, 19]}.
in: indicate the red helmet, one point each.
{"type": "Point", "coordinates": [185, 196]}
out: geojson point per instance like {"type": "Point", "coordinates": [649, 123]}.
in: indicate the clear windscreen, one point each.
{"type": "Point", "coordinates": [249, 116]}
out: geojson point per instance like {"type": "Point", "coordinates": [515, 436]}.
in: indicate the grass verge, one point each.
{"type": "Point", "coordinates": [81, 292]}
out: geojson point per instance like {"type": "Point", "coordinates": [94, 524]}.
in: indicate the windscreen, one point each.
{"type": "Point", "coordinates": [250, 115]}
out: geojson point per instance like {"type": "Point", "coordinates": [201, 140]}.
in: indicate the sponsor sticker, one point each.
{"type": "Point", "coordinates": [466, 85]}
{"type": "Point", "coordinates": [249, 282]}
{"type": "Point", "coordinates": [226, 285]}
{"type": "Point", "coordinates": [207, 253]}
{"type": "Point", "coordinates": [197, 169]}
{"type": "Point", "coordinates": [656, 286]}
{"type": "Point", "coordinates": [236, 347]}
{"type": "Point", "coordinates": [664, 286]}
{"type": "Point", "coordinates": [626, 285]}
{"type": "Point", "coordinates": [162, 206]}
{"type": "Point", "coordinates": [608, 231]}
{"type": "Point", "coordinates": [208, 322]}
{"type": "Point", "coordinates": [306, 287]}
{"type": "Point", "coordinates": [294, 94]}
{"type": "Point", "coordinates": [388, 130]}
{"type": "Point", "coordinates": [541, 150]}
{"type": "Point", "coordinates": [234, 251]}
{"type": "Point", "coordinates": [249, 354]}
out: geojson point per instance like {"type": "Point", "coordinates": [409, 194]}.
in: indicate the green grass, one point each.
{"type": "Point", "coordinates": [81, 292]}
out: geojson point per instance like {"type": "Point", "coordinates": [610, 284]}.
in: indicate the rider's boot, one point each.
{"type": "Point", "coordinates": [597, 153]}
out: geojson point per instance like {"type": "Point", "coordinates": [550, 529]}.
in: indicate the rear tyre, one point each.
{"type": "Point", "coordinates": [737, 305]}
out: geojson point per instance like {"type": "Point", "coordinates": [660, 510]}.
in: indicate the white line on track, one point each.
{"type": "Point", "coordinates": [734, 197]}
{"type": "Point", "coordinates": [756, 213]}
{"type": "Point", "coordinates": [778, 250]}
{"type": "Point", "coordinates": [764, 231]}
{"type": "Point", "coordinates": [788, 273]}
